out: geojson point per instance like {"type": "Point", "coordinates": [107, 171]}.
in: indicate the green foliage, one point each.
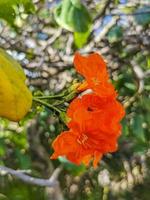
{"type": "Point", "coordinates": [128, 9]}
{"type": "Point", "coordinates": [148, 62]}
{"type": "Point", "coordinates": [141, 17]}
{"type": "Point", "coordinates": [72, 168]}
{"type": "Point", "coordinates": [81, 38]}
{"type": "Point", "coordinates": [8, 9]}
{"type": "Point", "coordinates": [115, 34]}
{"type": "Point", "coordinates": [2, 147]}
{"type": "Point", "coordinates": [137, 128]}
{"type": "Point", "coordinates": [73, 16]}
{"type": "Point", "coordinates": [19, 191]}
{"type": "Point", "coordinates": [16, 150]}
{"type": "Point", "coordinates": [125, 127]}
{"type": "Point", "coordinates": [16, 139]}
{"type": "Point", "coordinates": [23, 159]}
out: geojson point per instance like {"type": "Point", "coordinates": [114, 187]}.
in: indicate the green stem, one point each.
{"type": "Point", "coordinates": [49, 97]}
{"type": "Point", "coordinates": [46, 104]}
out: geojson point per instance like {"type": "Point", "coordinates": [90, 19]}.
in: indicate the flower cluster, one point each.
{"type": "Point", "coordinates": [94, 125]}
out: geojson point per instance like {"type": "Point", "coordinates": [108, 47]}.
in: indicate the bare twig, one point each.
{"type": "Point", "coordinates": [139, 74]}
{"type": "Point", "coordinates": [51, 182]}
{"type": "Point", "coordinates": [100, 36]}
{"type": "Point", "coordinates": [106, 29]}
{"type": "Point", "coordinates": [129, 14]}
{"type": "Point", "coordinates": [103, 10]}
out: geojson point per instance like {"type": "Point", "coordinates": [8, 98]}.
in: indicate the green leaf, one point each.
{"type": "Point", "coordinates": [128, 9]}
{"type": "Point", "coordinates": [125, 128]}
{"type": "Point", "coordinates": [28, 6]}
{"type": "Point", "coordinates": [147, 118]}
{"type": "Point", "coordinates": [7, 13]}
{"type": "Point", "coordinates": [140, 148]}
{"type": "Point", "coordinates": [141, 17]}
{"type": "Point", "coordinates": [73, 16]}
{"type": "Point", "coordinates": [23, 159]}
{"type": "Point", "coordinates": [115, 34]}
{"type": "Point", "coordinates": [130, 86]}
{"type": "Point", "coordinates": [72, 168]}
{"type": "Point", "coordinates": [148, 62]}
{"type": "Point", "coordinates": [137, 128]}
{"type": "Point", "coordinates": [145, 103]}
{"type": "Point", "coordinates": [116, 2]}
{"type": "Point", "coordinates": [76, 3]}
{"type": "Point", "coordinates": [8, 9]}
{"type": "Point", "coordinates": [2, 147]}
{"type": "Point", "coordinates": [81, 38]}
{"type": "Point", "coordinates": [3, 197]}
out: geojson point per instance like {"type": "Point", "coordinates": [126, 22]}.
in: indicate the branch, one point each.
{"type": "Point", "coordinates": [106, 29]}
{"type": "Point", "coordinates": [129, 14]}
{"type": "Point", "coordinates": [139, 75]}
{"type": "Point", "coordinates": [103, 10]}
{"type": "Point", "coordinates": [51, 182]}
{"type": "Point", "coordinates": [100, 36]}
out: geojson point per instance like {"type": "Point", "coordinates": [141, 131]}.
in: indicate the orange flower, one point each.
{"type": "Point", "coordinates": [102, 113]}
{"type": "Point", "coordinates": [76, 147]}
{"type": "Point", "coordinates": [93, 68]}
{"type": "Point", "coordinates": [94, 125]}
{"type": "Point", "coordinates": [92, 131]}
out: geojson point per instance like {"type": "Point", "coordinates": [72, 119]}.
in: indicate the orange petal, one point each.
{"type": "Point", "coordinates": [91, 67]}
{"type": "Point", "coordinates": [86, 160]}
{"type": "Point", "coordinates": [64, 143]}
{"type": "Point", "coordinates": [80, 63]}
{"type": "Point", "coordinates": [97, 158]}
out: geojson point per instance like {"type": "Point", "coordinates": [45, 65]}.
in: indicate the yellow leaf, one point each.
{"type": "Point", "coordinates": [15, 98]}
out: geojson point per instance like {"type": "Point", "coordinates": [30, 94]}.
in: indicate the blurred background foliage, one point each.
{"type": "Point", "coordinates": [43, 36]}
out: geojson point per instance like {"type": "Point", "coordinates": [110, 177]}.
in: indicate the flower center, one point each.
{"type": "Point", "coordinates": [82, 139]}
{"type": "Point", "coordinates": [89, 109]}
